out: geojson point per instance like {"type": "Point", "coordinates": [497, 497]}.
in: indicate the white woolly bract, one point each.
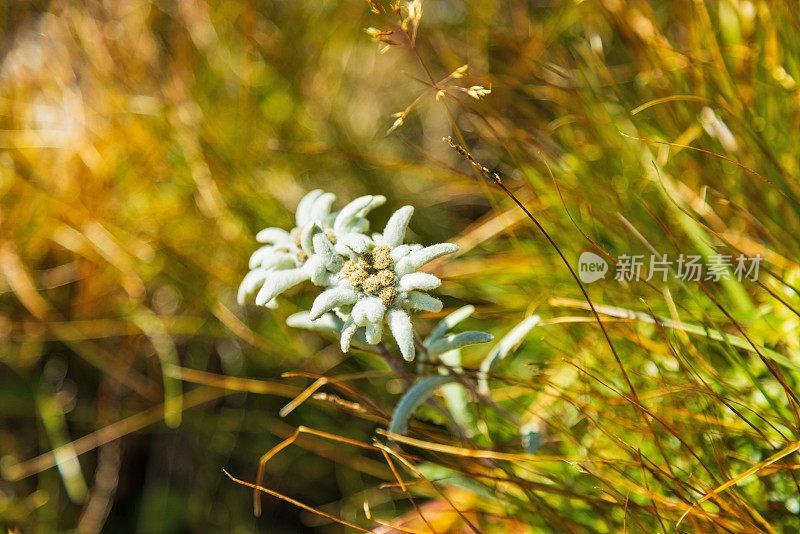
{"type": "Point", "coordinates": [420, 281]}
{"type": "Point", "coordinates": [356, 209]}
{"type": "Point", "coordinates": [356, 243]}
{"type": "Point", "coordinates": [368, 310]}
{"type": "Point", "coordinates": [272, 235]}
{"type": "Point", "coordinates": [415, 300]}
{"type": "Point", "coordinates": [374, 332]}
{"type": "Point", "coordinates": [276, 282]}
{"type": "Point", "coordinates": [325, 250]}
{"type": "Point", "coordinates": [317, 249]}
{"type": "Point", "coordinates": [332, 298]}
{"type": "Point", "coordinates": [251, 282]}
{"type": "Point", "coordinates": [418, 258]}
{"type": "Point", "coordinates": [348, 329]}
{"type": "Point", "coordinates": [303, 214]}
{"type": "Point", "coordinates": [328, 322]}
{"type": "Point", "coordinates": [395, 230]}
{"type": "Point", "coordinates": [400, 326]}
{"type": "Point", "coordinates": [268, 257]}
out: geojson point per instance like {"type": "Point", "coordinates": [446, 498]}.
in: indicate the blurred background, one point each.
{"type": "Point", "coordinates": [144, 143]}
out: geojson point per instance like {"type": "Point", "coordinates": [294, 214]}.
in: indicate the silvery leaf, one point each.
{"type": "Point", "coordinates": [501, 350]}
{"type": "Point", "coordinates": [413, 398]}
{"type": "Point", "coordinates": [446, 324]}
{"type": "Point", "coordinates": [456, 341]}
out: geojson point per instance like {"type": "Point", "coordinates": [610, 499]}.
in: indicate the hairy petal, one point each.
{"type": "Point", "coordinates": [374, 333]}
{"type": "Point", "coordinates": [307, 237]}
{"type": "Point", "coordinates": [422, 281]}
{"type": "Point", "coordinates": [272, 235]}
{"type": "Point", "coordinates": [400, 326]}
{"type": "Point", "coordinates": [303, 214]}
{"type": "Point", "coordinates": [331, 280]}
{"type": "Point", "coordinates": [348, 330]}
{"type": "Point", "coordinates": [414, 300]}
{"type": "Point", "coordinates": [276, 282]}
{"type": "Point", "coordinates": [250, 283]}
{"type": "Point", "coordinates": [350, 212]}
{"type": "Point", "coordinates": [268, 258]}
{"type": "Point", "coordinates": [395, 231]}
{"type": "Point", "coordinates": [315, 267]}
{"type": "Point", "coordinates": [322, 206]}
{"type": "Point", "coordinates": [344, 251]}
{"type": "Point", "coordinates": [368, 310]}
{"type": "Point", "coordinates": [418, 258]}
{"type": "Point", "coordinates": [355, 242]}
{"type": "Point", "coordinates": [351, 217]}
{"type": "Point", "coordinates": [400, 252]}
{"type": "Point", "coordinates": [257, 257]}
{"type": "Point", "coordinates": [359, 225]}
{"type": "Point", "coordinates": [327, 323]}
{"type": "Point", "coordinates": [378, 239]}
{"type": "Point", "coordinates": [377, 201]}
{"type": "Point", "coordinates": [330, 299]}
{"type": "Point", "coordinates": [325, 250]}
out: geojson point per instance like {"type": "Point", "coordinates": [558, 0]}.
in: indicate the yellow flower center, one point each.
{"type": "Point", "coordinates": [371, 272]}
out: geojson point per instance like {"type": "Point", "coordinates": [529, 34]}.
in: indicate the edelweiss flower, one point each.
{"type": "Point", "coordinates": [289, 258]}
{"type": "Point", "coordinates": [380, 282]}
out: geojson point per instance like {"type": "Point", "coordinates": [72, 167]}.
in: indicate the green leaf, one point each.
{"type": "Point", "coordinates": [446, 324]}
{"type": "Point", "coordinates": [415, 396]}
{"type": "Point", "coordinates": [455, 394]}
{"type": "Point", "coordinates": [153, 327]}
{"type": "Point", "coordinates": [328, 323]}
{"type": "Point", "coordinates": [502, 349]}
{"type": "Point", "coordinates": [456, 341]}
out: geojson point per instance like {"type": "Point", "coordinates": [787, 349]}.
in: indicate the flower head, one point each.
{"type": "Point", "coordinates": [288, 258]}
{"type": "Point", "coordinates": [368, 279]}
{"type": "Point", "coordinates": [381, 283]}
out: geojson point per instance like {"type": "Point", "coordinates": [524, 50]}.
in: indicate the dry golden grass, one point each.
{"type": "Point", "coordinates": [142, 145]}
